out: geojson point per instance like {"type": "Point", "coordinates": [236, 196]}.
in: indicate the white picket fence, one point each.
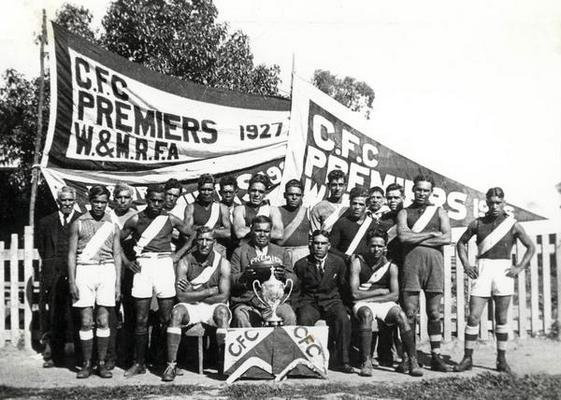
{"type": "Point", "coordinates": [534, 309]}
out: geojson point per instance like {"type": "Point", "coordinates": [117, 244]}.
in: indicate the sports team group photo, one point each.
{"type": "Point", "coordinates": [176, 210]}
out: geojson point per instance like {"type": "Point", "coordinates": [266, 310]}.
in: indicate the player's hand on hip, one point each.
{"type": "Point", "coordinates": [133, 266]}
{"type": "Point", "coordinates": [513, 271]}
{"type": "Point", "coordinates": [74, 292]}
{"type": "Point", "coordinates": [117, 293]}
{"type": "Point", "coordinates": [472, 271]}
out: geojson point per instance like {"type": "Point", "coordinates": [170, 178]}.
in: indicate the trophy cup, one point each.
{"type": "Point", "coordinates": [272, 296]}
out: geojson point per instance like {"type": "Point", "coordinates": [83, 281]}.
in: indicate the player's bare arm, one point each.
{"type": "Point", "coordinates": [278, 228]}
{"type": "Point", "coordinates": [184, 230]}
{"type": "Point", "coordinates": [240, 229]}
{"type": "Point", "coordinates": [224, 231]}
{"type": "Point", "coordinates": [406, 235]}
{"type": "Point", "coordinates": [223, 285]}
{"type": "Point", "coordinates": [521, 235]}
{"type": "Point", "coordinates": [72, 247]}
{"type": "Point", "coordinates": [462, 248]}
{"type": "Point", "coordinates": [185, 292]}
{"type": "Point", "coordinates": [128, 228]}
{"type": "Point", "coordinates": [117, 251]}
{"type": "Point", "coordinates": [444, 236]}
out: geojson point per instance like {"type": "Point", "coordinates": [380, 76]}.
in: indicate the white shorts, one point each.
{"type": "Point", "coordinates": [492, 279]}
{"type": "Point", "coordinates": [379, 310]}
{"type": "Point", "coordinates": [96, 285]}
{"type": "Point", "coordinates": [156, 276]}
{"type": "Point", "coordinates": [202, 312]}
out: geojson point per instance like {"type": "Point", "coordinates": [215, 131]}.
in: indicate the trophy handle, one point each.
{"type": "Point", "coordinates": [290, 291]}
{"type": "Point", "coordinates": [256, 284]}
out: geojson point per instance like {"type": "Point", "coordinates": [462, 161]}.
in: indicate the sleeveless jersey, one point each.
{"type": "Point", "coordinates": [300, 235]}
{"type": "Point", "coordinates": [250, 213]}
{"type": "Point", "coordinates": [195, 268]}
{"type": "Point", "coordinates": [201, 215]}
{"type": "Point", "coordinates": [161, 243]}
{"type": "Point", "coordinates": [414, 212]}
{"type": "Point", "coordinates": [87, 227]}
{"type": "Point", "coordinates": [366, 272]}
{"type": "Point", "coordinates": [503, 248]}
{"type": "Point", "coordinates": [386, 222]}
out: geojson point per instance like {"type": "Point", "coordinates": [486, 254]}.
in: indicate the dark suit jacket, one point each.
{"type": "Point", "coordinates": [241, 258]}
{"type": "Point", "coordinates": [52, 244]}
{"type": "Point", "coordinates": [320, 291]}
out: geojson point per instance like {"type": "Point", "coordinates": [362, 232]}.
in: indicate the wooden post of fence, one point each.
{"type": "Point", "coordinates": [14, 290]}
{"type": "Point", "coordinates": [2, 297]}
{"type": "Point", "coordinates": [558, 272]}
{"type": "Point", "coordinates": [534, 293]}
{"type": "Point", "coordinates": [546, 277]}
{"type": "Point", "coordinates": [448, 252]}
{"type": "Point", "coordinates": [423, 317]}
{"type": "Point", "coordinates": [460, 300]}
{"type": "Point", "coordinates": [27, 285]}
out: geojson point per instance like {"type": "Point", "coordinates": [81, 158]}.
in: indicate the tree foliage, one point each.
{"type": "Point", "coordinates": [356, 95]}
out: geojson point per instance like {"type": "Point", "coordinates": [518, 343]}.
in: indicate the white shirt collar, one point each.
{"type": "Point", "coordinates": [261, 252]}
{"type": "Point", "coordinates": [61, 216]}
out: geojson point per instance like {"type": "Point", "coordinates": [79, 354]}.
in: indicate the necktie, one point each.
{"type": "Point", "coordinates": [66, 218]}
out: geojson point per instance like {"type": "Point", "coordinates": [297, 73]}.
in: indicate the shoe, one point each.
{"type": "Point", "coordinates": [169, 373]}
{"type": "Point", "coordinates": [103, 371]}
{"type": "Point", "coordinates": [347, 369]}
{"type": "Point", "coordinates": [136, 369]}
{"type": "Point", "coordinates": [366, 368]}
{"type": "Point", "coordinates": [465, 365]}
{"type": "Point", "coordinates": [502, 366]}
{"type": "Point", "coordinates": [403, 366]}
{"type": "Point", "coordinates": [48, 364]}
{"type": "Point", "coordinates": [385, 363]}
{"type": "Point", "coordinates": [110, 364]}
{"type": "Point", "coordinates": [414, 369]}
{"type": "Point", "coordinates": [438, 364]}
{"type": "Point", "coordinates": [86, 370]}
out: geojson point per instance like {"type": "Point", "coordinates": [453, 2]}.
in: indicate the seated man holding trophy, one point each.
{"type": "Point", "coordinates": [260, 260]}
{"type": "Point", "coordinates": [202, 287]}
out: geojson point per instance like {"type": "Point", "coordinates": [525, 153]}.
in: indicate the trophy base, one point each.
{"type": "Point", "coordinates": [272, 324]}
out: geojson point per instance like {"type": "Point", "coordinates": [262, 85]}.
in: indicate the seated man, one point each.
{"type": "Point", "coordinates": [321, 279]}
{"type": "Point", "coordinates": [202, 288]}
{"type": "Point", "coordinates": [374, 288]}
{"type": "Point", "coordinates": [247, 310]}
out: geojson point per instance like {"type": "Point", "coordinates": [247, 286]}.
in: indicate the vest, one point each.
{"type": "Point", "coordinates": [385, 222]}
{"type": "Point", "coordinates": [366, 272]}
{"type": "Point", "coordinates": [300, 235]}
{"type": "Point", "coordinates": [201, 215]}
{"type": "Point", "coordinates": [414, 212]}
{"type": "Point", "coordinates": [87, 227]}
{"type": "Point", "coordinates": [161, 242]}
{"type": "Point", "coordinates": [503, 248]}
{"type": "Point", "coordinates": [195, 269]}
{"type": "Point", "coordinates": [250, 213]}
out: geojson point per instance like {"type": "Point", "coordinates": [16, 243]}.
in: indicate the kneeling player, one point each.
{"type": "Point", "coordinates": [94, 276]}
{"type": "Point", "coordinates": [496, 234]}
{"type": "Point", "coordinates": [374, 288]}
{"type": "Point", "coordinates": [202, 288]}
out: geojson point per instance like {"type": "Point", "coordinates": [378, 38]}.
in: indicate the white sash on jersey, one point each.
{"type": "Point", "coordinates": [333, 217]}
{"type": "Point", "coordinates": [96, 241]}
{"type": "Point", "coordinates": [120, 220]}
{"type": "Point", "coordinates": [150, 233]}
{"type": "Point", "coordinates": [214, 214]}
{"type": "Point", "coordinates": [293, 225]}
{"type": "Point", "coordinates": [392, 233]}
{"type": "Point", "coordinates": [375, 277]}
{"type": "Point", "coordinates": [206, 273]}
{"type": "Point", "coordinates": [359, 235]}
{"type": "Point", "coordinates": [381, 211]}
{"type": "Point", "coordinates": [496, 235]}
{"type": "Point", "coordinates": [265, 210]}
{"type": "Point", "coordinates": [179, 210]}
{"type": "Point", "coordinates": [424, 219]}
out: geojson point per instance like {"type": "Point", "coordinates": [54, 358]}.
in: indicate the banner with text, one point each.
{"type": "Point", "coordinates": [112, 120]}
{"type": "Point", "coordinates": [325, 135]}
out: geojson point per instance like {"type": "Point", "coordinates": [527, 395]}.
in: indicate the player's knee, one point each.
{"type": "Point", "coordinates": [241, 318]}
{"type": "Point", "coordinates": [178, 316]}
{"type": "Point", "coordinates": [365, 316]}
{"type": "Point", "coordinates": [473, 320]}
{"type": "Point", "coordinates": [141, 319]}
{"type": "Point", "coordinates": [86, 321]}
{"type": "Point", "coordinates": [102, 321]}
{"type": "Point", "coordinates": [402, 320]}
{"type": "Point", "coordinates": [433, 314]}
{"type": "Point", "coordinates": [221, 315]}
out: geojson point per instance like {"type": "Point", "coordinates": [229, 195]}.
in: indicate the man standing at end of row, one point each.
{"type": "Point", "coordinates": [325, 213]}
{"type": "Point", "coordinates": [493, 276]}
{"type": "Point", "coordinates": [423, 229]}
{"type": "Point", "coordinates": [94, 276]}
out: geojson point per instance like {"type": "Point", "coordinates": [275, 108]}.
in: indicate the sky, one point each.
{"type": "Point", "coordinates": [470, 89]}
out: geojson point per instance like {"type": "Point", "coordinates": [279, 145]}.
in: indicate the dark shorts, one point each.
{"type": "Point", "coordinates": [423, 269]}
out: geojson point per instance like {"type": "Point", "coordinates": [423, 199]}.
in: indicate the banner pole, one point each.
{"type": "Point", "coordinates": [35, 173]}
{"type": "Point", "coordinates": [292, 73]}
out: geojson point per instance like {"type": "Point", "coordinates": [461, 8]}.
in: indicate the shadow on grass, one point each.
{"type": "Point", "coordinates": [482, 387]}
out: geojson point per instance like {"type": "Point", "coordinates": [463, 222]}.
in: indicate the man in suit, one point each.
{"type": "Point", "coordinates": [247, 310]}
{"type": "Point", "coordinates": [55, 304]}
{"type": "Point", "coordinates": [321, 281]}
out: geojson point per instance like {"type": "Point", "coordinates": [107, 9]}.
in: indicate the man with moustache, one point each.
{"type": "Point", "coordinates": [202, 288]}
{"type": "Point", "coordinates": [348, 236]}
{"type": "Point", "coordinates": [493, 276]}
{"type": "Point", "coordinates": [257, 205]}
{"type": "Point", "coordinates": [321, 282]}
{"type": "Point", "coordinates": [423, 229]}
{"type": "Point", "coordinates": [325, 213]}
{"type": "Point", "coordinates": [376, 203]}
{"type": "Point", "coordinates": [55, 305]}
{"type": "Point", "coordinates": [206, 211]}
{"type": "Point", "coordinates": [295, 221]}
{"type": "Point", "coordinates": [153, 267]}
{"type": "Point", "coordinates": [247, 310]}
{"type": "Point", "coordinates": [94, 277]}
